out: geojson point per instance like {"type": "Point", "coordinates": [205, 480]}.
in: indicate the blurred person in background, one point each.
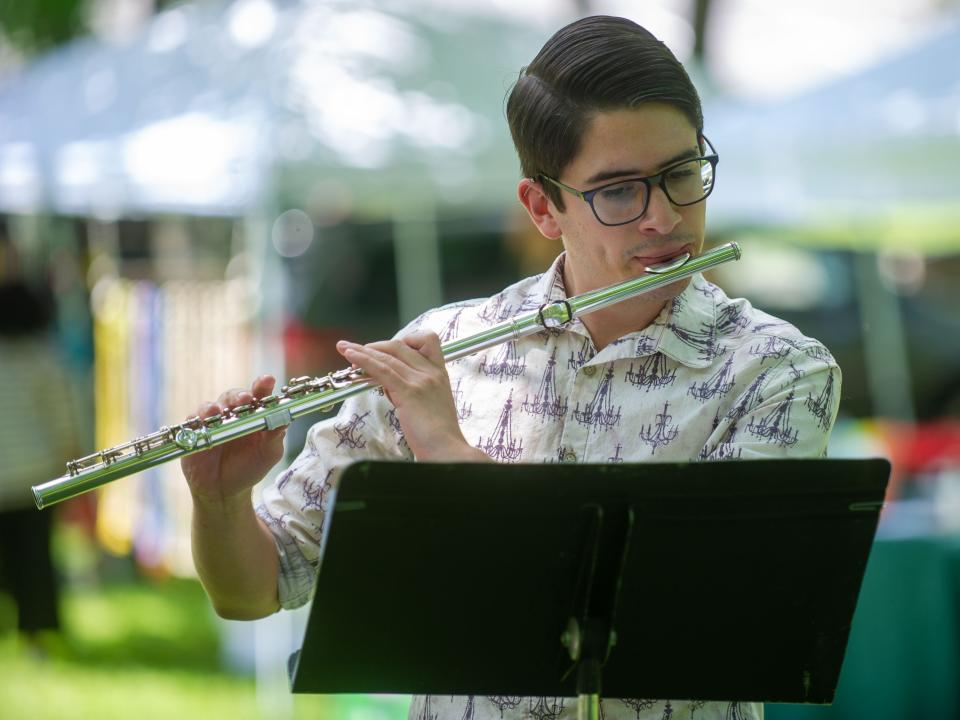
{"type": "Point", "coordinates": [609, 132]}
{"type": "Point", "coordinates": [37, 436]}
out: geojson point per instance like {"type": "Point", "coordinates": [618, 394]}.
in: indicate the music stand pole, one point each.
{"type": "Point", "coordinates": [590, 636]}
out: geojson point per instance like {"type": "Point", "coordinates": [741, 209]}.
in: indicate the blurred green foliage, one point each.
{"type": "Point", "coordinates": [35, 25]}
{"type": "Point", "coordinates": [144, 650]}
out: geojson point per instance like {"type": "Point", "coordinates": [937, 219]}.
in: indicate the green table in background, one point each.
{"type": "Point", "coordinates": [903, 659]}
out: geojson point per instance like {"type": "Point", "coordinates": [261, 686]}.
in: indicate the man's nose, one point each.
{"type": "Point", "coordinates": [661, 216]}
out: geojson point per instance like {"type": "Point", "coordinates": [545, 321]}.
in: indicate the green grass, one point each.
{"type": "Point", "coordinates": [145, 651]}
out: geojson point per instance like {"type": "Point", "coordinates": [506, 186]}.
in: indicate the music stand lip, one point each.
{"type": "Point", "coordinates": [431, 570]}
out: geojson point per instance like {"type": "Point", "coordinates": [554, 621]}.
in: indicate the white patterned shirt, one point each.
{"type": "Point", "coordinates": [711, 378]}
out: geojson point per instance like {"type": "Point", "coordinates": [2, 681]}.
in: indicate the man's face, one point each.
{"type": "Point", "coordinates": [618, 145]}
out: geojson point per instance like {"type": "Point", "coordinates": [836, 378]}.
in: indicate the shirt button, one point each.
{"type": "Point", "coordinates": [568, 456]}
{"type": "Point", "coordinates": [590, 370]}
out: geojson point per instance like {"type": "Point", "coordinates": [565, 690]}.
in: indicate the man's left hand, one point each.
{"type": "Point", "coordinates": [412, 372]}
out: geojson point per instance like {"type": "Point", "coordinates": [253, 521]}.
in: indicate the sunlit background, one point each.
{"type": "Point", "coordinates": [212, 190]}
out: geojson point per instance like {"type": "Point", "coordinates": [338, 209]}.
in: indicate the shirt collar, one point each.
{"type": "Point", "coordinates": [685, 330]}
{"type": "Point", "coordinates": [550, 285]}
{"type": "Point", "coordinates": [688, 325]}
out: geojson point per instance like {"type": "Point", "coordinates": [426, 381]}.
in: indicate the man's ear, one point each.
{"type": "Point", "coordinates": [538, 206]}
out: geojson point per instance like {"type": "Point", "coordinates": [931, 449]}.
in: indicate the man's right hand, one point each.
{"type": "Point", "coordinates": [222, 475]}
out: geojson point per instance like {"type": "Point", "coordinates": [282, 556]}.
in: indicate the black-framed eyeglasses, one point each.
{"type": "Point", "coordinates": [686, 182]}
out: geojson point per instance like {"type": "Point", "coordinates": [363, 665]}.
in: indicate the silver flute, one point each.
{"type": "Point", "coordinates": [305, 395]}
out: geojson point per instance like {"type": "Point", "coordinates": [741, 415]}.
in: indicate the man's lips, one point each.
{"type": "Point", "coordinates": [663, 256]}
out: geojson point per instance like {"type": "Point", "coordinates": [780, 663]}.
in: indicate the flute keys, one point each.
{"type": "Point", "coordinates": [344, 378]}
{"type": "Point", "coordinates": [297, 389]}
{"type": "Point", "coordinates": [186, 438]}
{"type": "Point", "coordinates": [75, 467]}
{"type": "Point", "coordinates": [112, 455]}
{"type": "Point", "coordinates": [297, 385]}
{"type": "Point", "coordinates": [150, 442]}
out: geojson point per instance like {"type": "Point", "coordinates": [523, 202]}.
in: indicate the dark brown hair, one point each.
{"type": "Point", "coordinates": [593, 64]}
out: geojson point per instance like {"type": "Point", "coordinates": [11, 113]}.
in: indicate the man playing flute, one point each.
{"type": "Point", "coordinates": [616, 168]}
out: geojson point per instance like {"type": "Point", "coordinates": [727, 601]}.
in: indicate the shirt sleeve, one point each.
{"type": "Point", "coordinates": [787, 412]}
{"type": "Point", "coordinates": [295, 506]}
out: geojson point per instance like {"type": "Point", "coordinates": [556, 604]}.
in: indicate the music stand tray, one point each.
{"type": "Point", "coordinates": [738, 579]}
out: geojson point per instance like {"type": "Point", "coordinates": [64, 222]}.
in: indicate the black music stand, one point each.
{"type": "Point", "coordinates": [717, 581]}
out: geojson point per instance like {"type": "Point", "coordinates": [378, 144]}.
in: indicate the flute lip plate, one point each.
{"type": "Point", "coordinates": [668, 265]}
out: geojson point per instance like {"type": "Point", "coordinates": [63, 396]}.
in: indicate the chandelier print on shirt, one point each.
{"type": "Point", "coordinates": [506, 363]}
{"type": "Point", "coordinates": [600, 412]}
{"type": "Point", "coordinates": [705, 342]}
{"type": "Point", "coordinates": [452, 328]}
{"type": "Point", "coordinates": [615, 458]}
{"type": "Point", "coordinates": [731, 320]}
{"type": "Point", "coordinates": [316, 493]}
{"type": "Point", "coordinates": [718, 384]}
{"type": "Point", "coordinates": [351, 433]}
{"type": "Point", "coordinates": [502, 445]}
{"type": "Point", "coordinates": [496, 310]}
{"type": "Point", "coordinates": [775, 426]}
{"type": "Point", "coordinates": [652, 373]}
{"type": "Point", "coordinates": [770, 349]}
{"type": "Point", "coordinates": [543, 708]}
{"type": "Point", "coordinates": [820, 407]}
{"type": "Point", "coordinates": [463, 410]}
{"type": "Point", "coordinates": [660, 433]}
{"type": "Point", "coordinates": [547, 403]}
{"type": "Point", "coordinates": [583, 354]}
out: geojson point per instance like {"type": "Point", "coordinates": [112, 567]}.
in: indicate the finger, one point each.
{"type": "Point", "coordinates": [233, 397]}
{"type": "Point", "coordinates": [427, 344]}
{"type": "Point", "coordinates": [205, 410]}
{"type": "Point", "coordinates": [208, 409]}
{"type": "Point", "coordinates": [263, 386]}
{"type": "Point", "coordinates": [380, 366]}
{"type": "Point", "coordinates": [343, 345]}
{"type": "Point", "coordinates": [399, 350]}
{"type": "Point", "coordinates": [402, 361]}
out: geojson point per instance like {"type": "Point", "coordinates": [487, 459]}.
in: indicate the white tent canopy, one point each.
{"type": "Point", "coordinates": [213, 106]}
{"type": "Point", "coordinates": [874, 155]}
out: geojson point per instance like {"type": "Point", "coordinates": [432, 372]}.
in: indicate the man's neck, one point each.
{"type": "Point", "coordinates": [618, 320]}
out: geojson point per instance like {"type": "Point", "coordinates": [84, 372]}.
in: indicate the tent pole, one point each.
{"type": "Point", "coordinates": [417, 260]}
{"type": "Point", "coordinates": [884, 342]}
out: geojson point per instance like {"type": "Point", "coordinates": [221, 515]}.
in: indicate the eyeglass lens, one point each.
{"type": "Point", "coordinates": [684, 184]}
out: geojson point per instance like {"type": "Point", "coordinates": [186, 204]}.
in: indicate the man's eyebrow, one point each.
{"type": "Point", "coordinates": [634, 172]}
